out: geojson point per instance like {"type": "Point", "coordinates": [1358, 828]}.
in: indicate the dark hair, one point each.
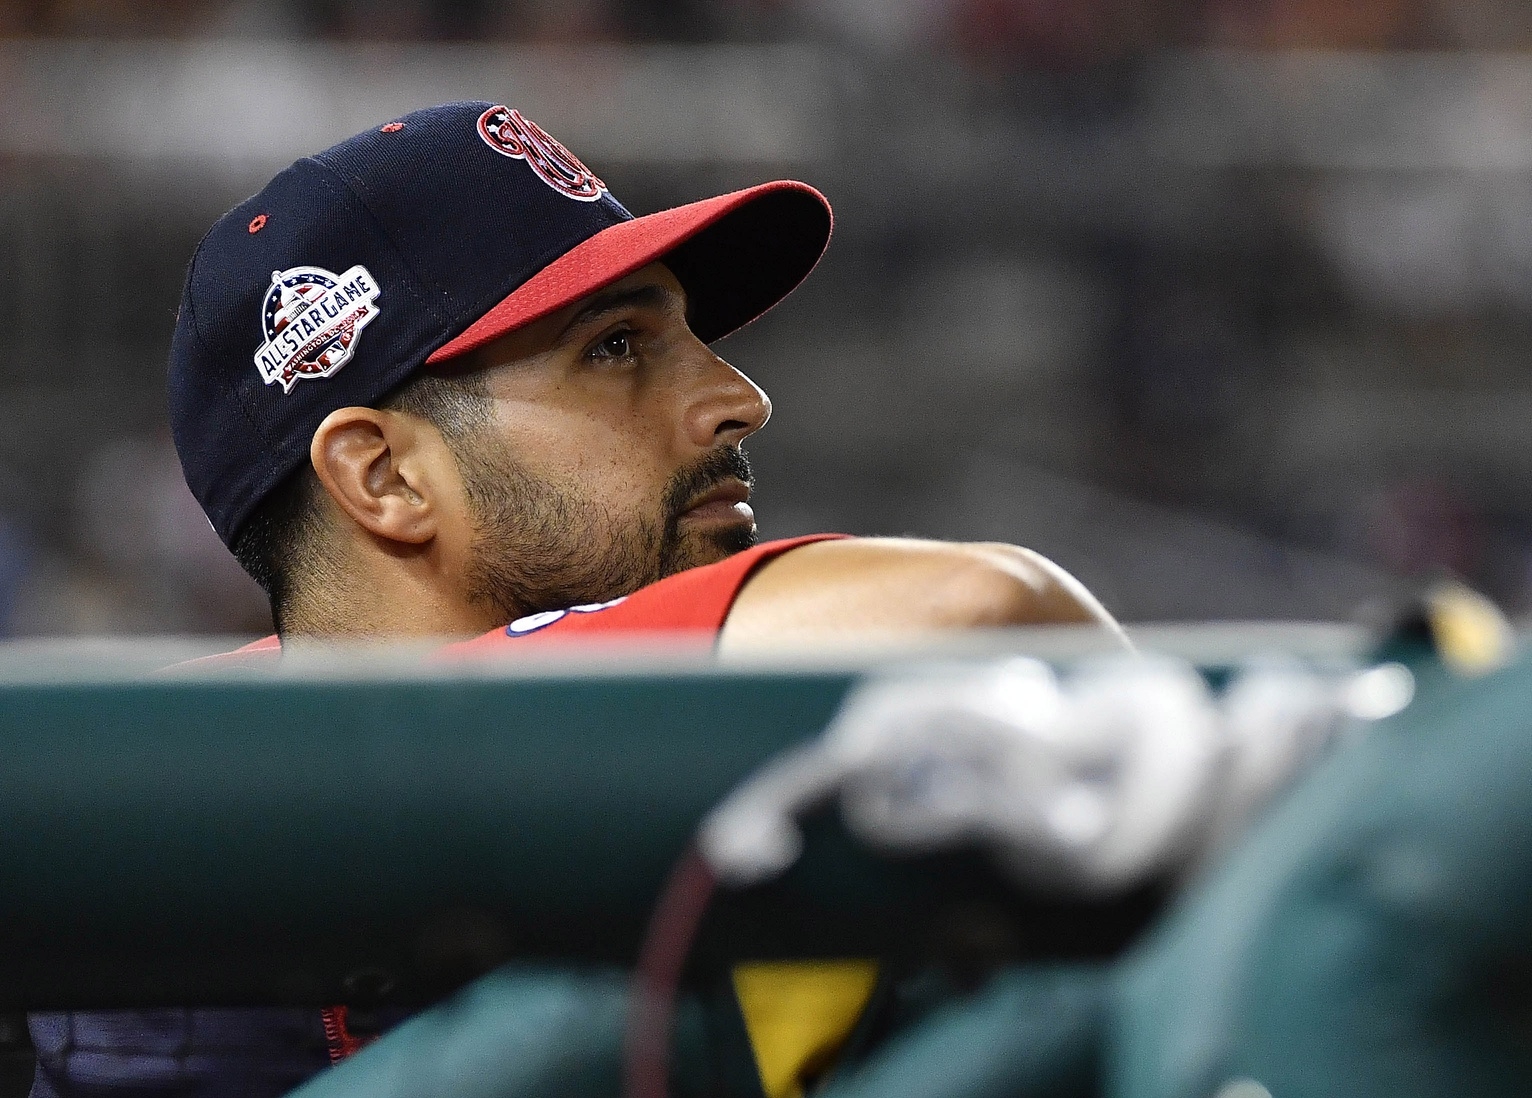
{"type": "Point", "coordinates": [283, 544]}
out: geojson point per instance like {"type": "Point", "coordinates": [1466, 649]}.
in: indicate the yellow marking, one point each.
{"type": "Point", "coordinates": [798, 1015]}
{"type": "Point", "coordinates": [1471, 634]}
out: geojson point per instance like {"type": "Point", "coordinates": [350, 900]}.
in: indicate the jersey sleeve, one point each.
{"type": "Point", "coordinates": [695, 602]}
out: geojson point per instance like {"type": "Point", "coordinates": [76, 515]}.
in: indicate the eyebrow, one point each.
{"type": "Point", "coordinates": [615, 301]}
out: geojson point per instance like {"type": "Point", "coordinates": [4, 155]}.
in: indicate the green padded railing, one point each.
{"type": "Point", "coordinates": [377, 833]}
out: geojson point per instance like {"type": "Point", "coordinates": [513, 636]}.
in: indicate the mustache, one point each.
{"type": "Point", "coordinates": [714, 467]}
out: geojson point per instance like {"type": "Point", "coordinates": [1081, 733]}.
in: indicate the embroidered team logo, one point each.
{"type": "Point", "coordinates": [311, 319]}
{"type": "Point", "coordinates": [509, 134]}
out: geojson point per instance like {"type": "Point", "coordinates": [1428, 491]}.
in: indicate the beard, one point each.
{"type": "Point", "coordinates": [538, 547]}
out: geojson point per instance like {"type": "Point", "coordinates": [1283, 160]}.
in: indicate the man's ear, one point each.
{"type": "Point", "coordinates": [380, 468]}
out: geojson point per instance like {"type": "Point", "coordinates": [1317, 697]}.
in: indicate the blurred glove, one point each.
{"type": "Point", "coordinates": [1088, 786]}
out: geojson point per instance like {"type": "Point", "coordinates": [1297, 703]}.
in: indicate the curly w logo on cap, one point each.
{"type": "Point", "coordinates": [509, 134]}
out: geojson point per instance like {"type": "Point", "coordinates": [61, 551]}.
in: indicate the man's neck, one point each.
{"type": "Point", "coordinates": [378, 611]}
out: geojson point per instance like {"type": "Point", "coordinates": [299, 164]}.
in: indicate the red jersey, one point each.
{"type": "Point", "coordinates": [695, 602]}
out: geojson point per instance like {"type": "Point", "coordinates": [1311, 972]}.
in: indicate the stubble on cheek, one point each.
{"type": "Point", "coordinates": [541, 546]}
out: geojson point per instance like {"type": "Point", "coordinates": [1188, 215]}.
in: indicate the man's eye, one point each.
{"type": "Point", "coordinates": [617, 345]}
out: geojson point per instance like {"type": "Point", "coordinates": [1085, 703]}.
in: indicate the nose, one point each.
{"type": "Point", "coordinates": [727, 407]}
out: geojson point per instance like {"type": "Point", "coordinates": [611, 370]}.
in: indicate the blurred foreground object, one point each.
{"type": "Point", "coordinates": [1122, 770]}
{"type": "Point", "coordinates": [378, 832]}
{"type": "Point", "coordinates": [1109, 781]}
{"type": "Point", "coordinates": [1466, 630]}
{"type": "Point", "coordinates": [1373, 938]}
{"type": "Point", "coordinates": [1370, 921]}
{"type": "Point", "coordinates": [1369, 939]}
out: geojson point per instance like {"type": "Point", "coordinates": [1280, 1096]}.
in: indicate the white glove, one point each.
{"type": "Point", "coordinates": [1126, 770]}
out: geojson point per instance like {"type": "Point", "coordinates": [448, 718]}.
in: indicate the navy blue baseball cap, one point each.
{"type": "Point", "coordinates": [413, 243]}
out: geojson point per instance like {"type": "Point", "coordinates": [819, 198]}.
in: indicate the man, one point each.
{"type": "Point", "coordinates": [437, 382]}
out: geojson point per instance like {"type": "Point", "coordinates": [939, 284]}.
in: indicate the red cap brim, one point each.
{"type": "Point", "coordinates": [736, 255]}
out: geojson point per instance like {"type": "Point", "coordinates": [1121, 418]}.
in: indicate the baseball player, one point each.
{"type": "Point", "coordinates": [436, 381]}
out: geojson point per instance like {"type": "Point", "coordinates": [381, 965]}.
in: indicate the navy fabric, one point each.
{"type": "Point", "coordinates": [226, 1053]}
{"type": "Point", "coordinates": [444, 224]}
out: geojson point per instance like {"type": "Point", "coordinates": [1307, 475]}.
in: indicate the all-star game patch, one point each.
{"type": "Point", "coordinates": [509, 134]}
{"type": "Point", "coordinates": [311, 318]}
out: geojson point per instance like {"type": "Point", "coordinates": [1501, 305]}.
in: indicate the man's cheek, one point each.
{"type": "Point", "coordinates": [614, 490]}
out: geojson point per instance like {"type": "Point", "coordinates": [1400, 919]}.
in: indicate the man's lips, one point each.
{"type": "Point", "coordinates": [727, 501]}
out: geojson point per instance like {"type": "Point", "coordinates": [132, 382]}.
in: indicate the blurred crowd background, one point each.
{"type": "Point", "coordinates": [1224, 304]}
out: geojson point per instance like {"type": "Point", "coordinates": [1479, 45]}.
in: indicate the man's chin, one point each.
{"type": "Point", "coordinates": [696, 548]}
